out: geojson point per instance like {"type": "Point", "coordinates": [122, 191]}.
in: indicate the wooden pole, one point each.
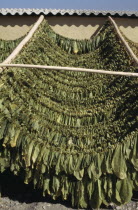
{"type": "Point", "coordinates": [97, 71]}
{"type": "Point", "coordinates": [24, 41]}
{"type": "Point", "coordinates": [129, 50]}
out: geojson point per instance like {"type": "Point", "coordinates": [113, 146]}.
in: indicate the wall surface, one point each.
{"type": "Point", "coordinates": [129, 27]}
{"type": "Point", "coordinates": [14, 27]}
{"type": "Point", "coordinates": [76, 27]}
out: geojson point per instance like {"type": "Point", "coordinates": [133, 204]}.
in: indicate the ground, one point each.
{"type": "Point", "coordinates": [10, 204]}
{"type": "Point", "coordinates": [18, 196]}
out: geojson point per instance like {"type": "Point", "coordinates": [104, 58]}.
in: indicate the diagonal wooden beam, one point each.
{"type": "Point", "coordinates": [24, 41]}
{"type": "Point", "coordinates": [129, 50]}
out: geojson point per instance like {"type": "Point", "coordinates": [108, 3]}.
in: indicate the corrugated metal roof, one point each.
{"type": "Point", "coordinates": [4, 11]}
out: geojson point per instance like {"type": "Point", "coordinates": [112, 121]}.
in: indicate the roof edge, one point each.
{"type": "Point", "coordinates": [70, 12]}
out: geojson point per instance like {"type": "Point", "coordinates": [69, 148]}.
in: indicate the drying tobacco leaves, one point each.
{"type": "Point", "coordinates": [7, 46]}
{"type": "Point", "coordinates": [133, 45]}
{"type": "Point", "coordinates": [73, 134]}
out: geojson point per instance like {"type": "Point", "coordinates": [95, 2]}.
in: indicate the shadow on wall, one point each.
{"type": "Point", "coordinates": [129, 27]}
{"type": "Point", "coordinates": [127, 22]}
{"type": "Point", "coordinates": [17, 20]}
{"type": "Point", "coordinates": [76, 27]}
{"type": "Point", "coordinates": [14, 27]}
{"type": "Point", "coordinates": [79, 27]}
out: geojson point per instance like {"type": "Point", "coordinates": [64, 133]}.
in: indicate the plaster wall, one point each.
{"type": "Point", "coordinates": [76, 27]}
{"type": "Point", "coordinates": [129, 27]}
{"type": "Point", "coordinates": [14, 27]}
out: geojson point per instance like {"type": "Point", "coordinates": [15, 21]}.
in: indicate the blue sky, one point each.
{"type": "Point", "coordinates": [72, 4]}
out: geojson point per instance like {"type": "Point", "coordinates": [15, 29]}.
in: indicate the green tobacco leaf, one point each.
{"type": "Point", "coordinates": [46, 186]}
{"type": "Point", "coordinates": [35, 152]}
{"type": "Point", "coordinates": [123, 191]}
{"type": "Point", "coordinates": [56, 184]}
{"type": "Point", "coordinates": [106, 164]}
{"type": "Point", "coordinates": [90, 189]}
{"type": "Point", "coordinates": [79, 174]}
{"type": "Point", "coordinates": [29, 153]}
{"type": "Point", "coordinates": [134, 158]}
{"type": "Point", "coordinates": [75, 48]}
{"type": "Point", "coordinates": [97, 195]}
{"type": "Point", "coordinates": [118, 163]}
{"type": "Point", "coordinates": [94, 170]}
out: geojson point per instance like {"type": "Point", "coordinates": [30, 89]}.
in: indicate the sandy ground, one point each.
{"type": "Point", "coordinates": [18, 196]}
{"type": "Point", "coordinates": [9, 204]}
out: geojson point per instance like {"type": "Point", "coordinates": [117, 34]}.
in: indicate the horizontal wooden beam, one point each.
{"type": "Point", "coordinates": [97, 71]}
